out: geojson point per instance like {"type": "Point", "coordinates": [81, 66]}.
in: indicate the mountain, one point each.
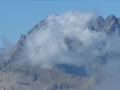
{"type": "Point", "coordinates": [41, 79]}
{"type": "Point", "coordinates": [61, 76]}
{"type": "Point", "coordinates": [98, 23]}
{"type": "Point", "coordinates": [110, 25]}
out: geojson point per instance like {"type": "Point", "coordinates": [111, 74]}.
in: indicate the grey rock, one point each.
{"type": "Point", "coordinates": [111, 25]}
{"type": "Point", "coordinates": [98, 24]}
{"type": "Point", "coordinates": [14, 55]}
{"type": "Point", "coordinates": [44, 78]}
{"type": "Point", "coordinates": [37, 26]}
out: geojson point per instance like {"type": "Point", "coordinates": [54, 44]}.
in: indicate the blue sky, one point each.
{"type": "Point", "coordinates": [18, 17]}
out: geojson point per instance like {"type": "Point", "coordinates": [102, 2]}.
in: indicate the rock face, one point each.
{"type": "Point", "coordinates": [14, 55]}
{"type": "Point", "coordinates": [42, 79]}
{"type": "Point", "coordinates": [37, 26]}
{"type": "Point", "coordinates": [111, 25]}
{"type": "Point", "coordinates": [98, 24]}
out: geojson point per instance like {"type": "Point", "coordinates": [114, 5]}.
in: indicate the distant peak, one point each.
{"type": "Point", "coordinates": [100, 18]}
{"type": "Point", "coordinates": [22, 37]}
{"type": "Point", "coordinates": [111, 17]}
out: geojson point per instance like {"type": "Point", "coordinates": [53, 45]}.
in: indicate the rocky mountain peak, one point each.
{"type": "Point", "coordinates": [37, 27]}
{"type": "Point", "coordinates": [111, 25]}
{"type": "Point", "coordinates": [22, 37]}
{"type": "Point", "coordinates": [98, 24]}
{"type": "Point", "coordinates": [111, 17]}
{"type": "Point", "coordinates": [100, 18]}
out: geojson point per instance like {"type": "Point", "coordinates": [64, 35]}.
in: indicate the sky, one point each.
{"type": "Point", "coordinates": [18, 17]}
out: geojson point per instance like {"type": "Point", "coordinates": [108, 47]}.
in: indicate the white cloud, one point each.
{"type": "Point", "coordinates": [66, 39]}
{"type": "Point", "coordinates": [62, 38]}
{"type": "Point", "coordinates": [7, 45]}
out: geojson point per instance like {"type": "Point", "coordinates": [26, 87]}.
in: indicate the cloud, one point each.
{"type": "Point", "coordinates": [63, 39]}
{"type": "Point", "coordinates": [7, 45]}
{"type": "Point", "coordinates": [109, 76]}
{"type": "Point", "coordinates": [66, 39]}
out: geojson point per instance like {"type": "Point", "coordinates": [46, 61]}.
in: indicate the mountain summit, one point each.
{"type": "Point", "coordinates": [110, 25]}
